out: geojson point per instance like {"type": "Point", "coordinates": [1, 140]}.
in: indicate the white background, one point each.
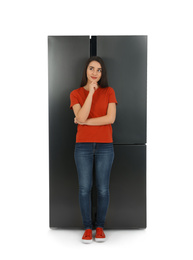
{"type": "Point", "coordinates": [24, 172]}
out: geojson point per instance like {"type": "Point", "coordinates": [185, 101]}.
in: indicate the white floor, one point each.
{"type": "Point", "coordinates": [154, 243]}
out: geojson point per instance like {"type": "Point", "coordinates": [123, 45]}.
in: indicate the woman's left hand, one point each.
{"type": "Point", "coordinates": [77, 122]}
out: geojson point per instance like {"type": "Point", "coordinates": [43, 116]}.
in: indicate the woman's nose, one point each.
{"type": "Point", "coordinates": [94, 72]}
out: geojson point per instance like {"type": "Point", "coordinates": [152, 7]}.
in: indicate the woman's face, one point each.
{"type": "Point", "coordinates": [94, 71]}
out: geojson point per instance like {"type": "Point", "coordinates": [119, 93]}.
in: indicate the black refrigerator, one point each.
{"type": "Point", "coordinates": [125, 58]}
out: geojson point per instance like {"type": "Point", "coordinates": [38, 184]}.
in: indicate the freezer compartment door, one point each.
{"type": "Point", "coordinates": [127, 208]}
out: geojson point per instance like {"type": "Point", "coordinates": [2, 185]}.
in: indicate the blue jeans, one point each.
{"type": "Point", "coordinates": [84, 155]}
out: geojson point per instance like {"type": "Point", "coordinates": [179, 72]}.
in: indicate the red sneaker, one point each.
{"type": "Point", "coordinates": [87, 237]}
{"type": "Point", "coordinates": [100, 235]}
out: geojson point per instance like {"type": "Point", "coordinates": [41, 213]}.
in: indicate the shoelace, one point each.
{"type": "Point", "coordinates": [87, 233]}
{"type": "Point", "coordinates": [100, 232]}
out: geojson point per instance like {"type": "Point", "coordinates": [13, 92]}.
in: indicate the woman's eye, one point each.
{"type": "Point", "coordinates": [98, 70]}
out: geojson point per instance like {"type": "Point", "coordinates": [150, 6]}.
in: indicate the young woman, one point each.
{"type": "Point", "coordinates": [94, 106]}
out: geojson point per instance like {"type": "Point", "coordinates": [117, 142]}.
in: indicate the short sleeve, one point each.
{"type": "Point", "coordinates": [73, 99]}
{"type": "Point", "coordinates": [112, 97]}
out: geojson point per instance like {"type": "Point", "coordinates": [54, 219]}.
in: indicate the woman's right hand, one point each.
{"type": "Point", "coordinates": [92, 87]}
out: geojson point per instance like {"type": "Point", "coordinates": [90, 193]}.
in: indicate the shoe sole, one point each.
{"type": "Point", "coordinates": [87, 241]}
{"type": "Point", "coordinates": [100, 239]}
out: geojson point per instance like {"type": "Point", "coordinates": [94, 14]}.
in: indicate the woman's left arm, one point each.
{"type": "Point", "coordinates": [109, 118]}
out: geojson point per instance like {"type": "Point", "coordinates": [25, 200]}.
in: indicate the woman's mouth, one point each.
{"type": "Point", "coordinates": [93, 77]}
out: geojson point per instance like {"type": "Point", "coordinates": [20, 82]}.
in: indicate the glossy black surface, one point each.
{"type": "Point", "coordinates": [127, 207]}
{"type": "Point", "coordinates": [66, 59]}
{"type": "Point", "coordinates": [126, 60]}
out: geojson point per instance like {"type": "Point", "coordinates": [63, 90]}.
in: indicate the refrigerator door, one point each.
{"type": "Point", "coordinates": [66, 56]}
{"type": "Point", "coordinates": [125, 58]}
{"type": "Point", "coordinates": [127, 207]}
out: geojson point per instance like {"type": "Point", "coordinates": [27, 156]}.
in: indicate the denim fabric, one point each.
{"type": "Point", "coordinates": [84, 155]}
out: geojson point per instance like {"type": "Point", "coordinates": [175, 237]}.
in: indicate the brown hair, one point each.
{"type": "Point", "coordinates": [103, 82]}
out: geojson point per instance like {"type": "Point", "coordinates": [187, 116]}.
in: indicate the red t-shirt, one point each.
{"type": "Point", "coordinates": [100, 100]}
